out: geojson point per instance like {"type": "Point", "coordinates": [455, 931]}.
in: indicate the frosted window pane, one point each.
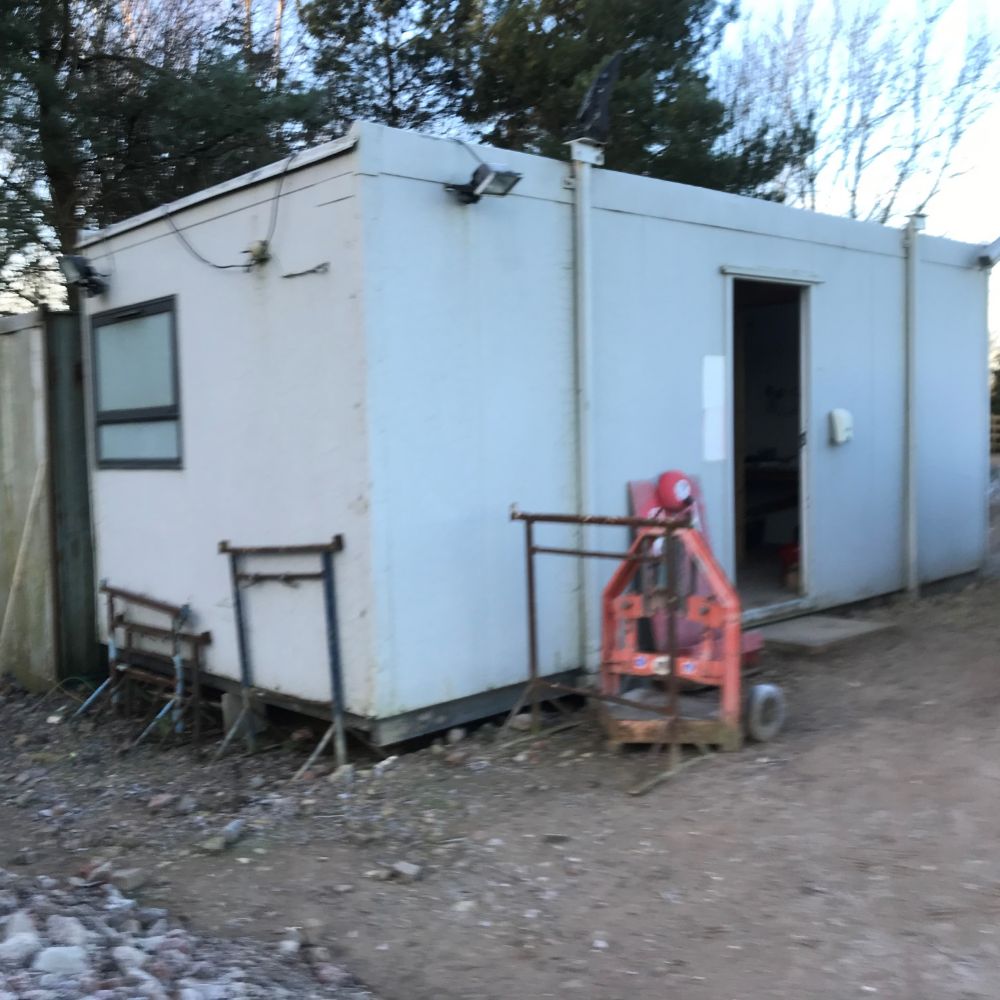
{"type": "Point", "coordinates": [135, 364]}
{"type": "Point", "coordinates": [152, 441]}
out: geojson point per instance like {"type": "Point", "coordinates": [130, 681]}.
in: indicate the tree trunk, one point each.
{"type": "Point", "coordinates": [248, 28]}
{"type": "Point", "coordinates": [58, 151]}
{"type": "Point", "coordinates": [279, 14]}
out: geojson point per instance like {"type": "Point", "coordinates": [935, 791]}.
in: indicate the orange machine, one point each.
{"type": "Point", "coordinates": [672, 639]}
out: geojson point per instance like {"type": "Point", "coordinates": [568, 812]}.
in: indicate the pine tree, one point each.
{"type": "Point", "coordinates": [539, 57]}
{"type": "Point", "coordinates": [401, 63]}
{"type": "Point", "coordinates": [103, 116]}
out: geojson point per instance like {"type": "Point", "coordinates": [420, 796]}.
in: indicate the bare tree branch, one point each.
{"type": "Point", "coordinates": [886, 98]}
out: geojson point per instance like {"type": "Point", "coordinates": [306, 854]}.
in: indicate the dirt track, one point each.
{"type": "Point", "coordinates": [855, 856]}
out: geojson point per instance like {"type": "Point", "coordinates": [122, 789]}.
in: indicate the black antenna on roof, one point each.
{"type": "Point", "coordinates": [593, 122]}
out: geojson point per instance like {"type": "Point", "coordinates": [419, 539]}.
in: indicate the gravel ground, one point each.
{"type": "Point", "coordinates": [85, 938]}
{"type": "Point", "coordinates": [854, 856]}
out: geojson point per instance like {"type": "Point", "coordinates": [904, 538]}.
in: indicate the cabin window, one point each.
{"type": "Point", "coordinates": [136, 396]}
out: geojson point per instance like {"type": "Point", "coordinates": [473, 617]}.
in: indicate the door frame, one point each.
{"type": "Point", "coordinates": [805, 282]}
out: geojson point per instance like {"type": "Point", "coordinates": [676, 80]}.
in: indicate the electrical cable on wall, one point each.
{"type": "Point", "coordinates": [110, 254]}
{"type": "Point", "coordinates": [318, 269]}
{"type": "Point", "coordinates": [259, 253]}
{"type": "Point", "coordinates": [468, 148]}
{"type": "Point", "coordinates": [194, 253]}
{"type": "Point", "coordinates": [277, 196]}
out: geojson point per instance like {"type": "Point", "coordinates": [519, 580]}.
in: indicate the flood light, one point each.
{"type": "Point", "coordinates": [487, 178]}
{"type": "Point", "coordinates": [989, 256]}
{"type": "Point", "coordinates": [80, 272]}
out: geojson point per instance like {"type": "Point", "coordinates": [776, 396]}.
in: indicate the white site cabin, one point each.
{"type": "Point", "coordinates": [405, 366]}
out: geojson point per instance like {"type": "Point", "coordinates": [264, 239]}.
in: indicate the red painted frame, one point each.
{"type": "Point", "coordinates": [715, 660]}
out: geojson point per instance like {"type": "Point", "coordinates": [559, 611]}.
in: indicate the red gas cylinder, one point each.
{"type": "Point", "coordinates": [674, 491]}
{"type": "Point", "coordinates": [789, 556]}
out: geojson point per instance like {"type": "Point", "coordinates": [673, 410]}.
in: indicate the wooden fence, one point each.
{"type": "Point", "coordinates": [46, 575]}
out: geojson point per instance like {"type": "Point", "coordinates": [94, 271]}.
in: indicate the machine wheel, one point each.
{"type": "Point", "coordinates": [765, 712]}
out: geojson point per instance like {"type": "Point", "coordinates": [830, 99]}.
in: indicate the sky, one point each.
{"type": "Point", "coordinates": [967, 207]}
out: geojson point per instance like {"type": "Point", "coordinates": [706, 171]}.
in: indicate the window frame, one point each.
{"type": "Point", "coordinates": [145, 414]}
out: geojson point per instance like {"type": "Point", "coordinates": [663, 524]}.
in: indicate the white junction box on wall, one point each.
{"type": "Point", "coordinates": [841, 426]}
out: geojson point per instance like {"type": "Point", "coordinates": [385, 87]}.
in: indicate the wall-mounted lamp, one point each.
{"type": "Point", "coordinates": [989, 255]}
{"type": "Point", "coordinates": [80, 272]}
{"type": "Point", "coordinates": [487, 178]}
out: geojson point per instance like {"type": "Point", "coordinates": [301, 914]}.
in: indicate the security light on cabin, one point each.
{"type": "Point", "coordinates": [990, 255]}
{"type": "Point", "coordinates": [80, 272]}
{"type": "Point", "coordinates": [487, 178]}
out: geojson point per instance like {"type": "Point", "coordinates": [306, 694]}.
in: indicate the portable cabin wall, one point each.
{"type": "Point", "coordinates": [952, 412]}
{"type": "Point", "coordinates": [470, 373]}
{"type": "Point", "coordinates": [407, 394]}
{"type": "Point", "coordinates": [470, 322]}
{"type": "Point", "coordinates": [665, 260]}
{"type": "Point", "coordinates": [272, 415]}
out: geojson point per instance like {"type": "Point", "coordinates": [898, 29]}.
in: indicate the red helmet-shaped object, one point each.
{"type": "Point", "coordinates": [675, 492]}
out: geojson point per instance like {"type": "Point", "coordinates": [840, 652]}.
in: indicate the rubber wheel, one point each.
{"type": "Point", "coordinates": [765, 712]}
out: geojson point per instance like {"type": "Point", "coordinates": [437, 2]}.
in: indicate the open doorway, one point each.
{"type": "Point", "coordinates": [768, 435]}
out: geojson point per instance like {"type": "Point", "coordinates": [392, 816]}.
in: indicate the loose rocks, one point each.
{"type": "Point", "coordinates": [78, 939]}
{"type": "Point", "coordinates": [406, 871]}
{"type": "Point", "coordinates": [62, 961]}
